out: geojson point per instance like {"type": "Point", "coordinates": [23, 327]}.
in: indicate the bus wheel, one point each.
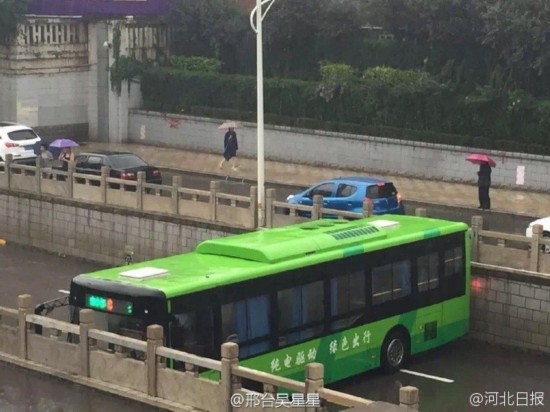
{"type": "Point", "coordinates": [395, 350]}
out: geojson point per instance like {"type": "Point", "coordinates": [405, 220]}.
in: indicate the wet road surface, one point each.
{"type": "Point", "coordinates": [502, 380]}
{"type": "Point", "coordinates": [473, 367]}
{"type": "Point", "coordinates": [41, 274]}
{"type": "Point", "coordinates": [24, 391]}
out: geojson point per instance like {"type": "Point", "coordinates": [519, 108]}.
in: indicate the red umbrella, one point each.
{"type": "Point", "coordinates": [479, 158]}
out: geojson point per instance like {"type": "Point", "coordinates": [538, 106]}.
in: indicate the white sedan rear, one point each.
{"type": "Point", "coordinates": [545, 222]}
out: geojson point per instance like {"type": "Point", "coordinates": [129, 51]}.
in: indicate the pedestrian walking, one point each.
{"type": "Point", "coordinates": [484, 184]}
{"type": "Point", "coordinates": [46, 160]}
{"type": "Point", "coordinates": [230, 147]}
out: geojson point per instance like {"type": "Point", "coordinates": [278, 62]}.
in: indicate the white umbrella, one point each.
{"type": "Point", "coordinates": [229, 124]}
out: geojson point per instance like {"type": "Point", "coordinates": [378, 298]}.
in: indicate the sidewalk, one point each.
{"type": "Point", "coordinates": [460, 194]}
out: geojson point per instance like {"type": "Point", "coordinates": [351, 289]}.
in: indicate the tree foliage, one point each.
{"type": "Point", "coordinates": [211, 28]}
{"type": "Point", "coordinates": [509, 35]}
{"type": "Point", "coordinates": [11, 13]}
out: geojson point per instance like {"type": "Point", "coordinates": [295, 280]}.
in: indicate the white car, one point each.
{"type": "Point", "coordinates": [545, 223]}
{"type": "Point", "coordinates": [17, 140]}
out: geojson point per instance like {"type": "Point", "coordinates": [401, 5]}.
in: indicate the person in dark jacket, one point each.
{"type": "Point", "coordinates": [484, 183]}
{"type": "Point", "coordinates": [230, 146]}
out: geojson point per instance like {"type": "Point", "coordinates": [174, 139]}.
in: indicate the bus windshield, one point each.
{"type": "Point", "coordinates": [131, 327]}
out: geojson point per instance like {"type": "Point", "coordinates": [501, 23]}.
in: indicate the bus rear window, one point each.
{"type": "Point", "coordinates": [381, 191]}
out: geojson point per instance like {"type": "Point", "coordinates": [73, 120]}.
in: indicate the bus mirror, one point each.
{"type": "Point", "coordinates": [232, 338]}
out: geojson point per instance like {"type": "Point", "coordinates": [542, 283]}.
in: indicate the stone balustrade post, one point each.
{"type": "Point", "coordinates": [9, 161]}
{"type": "Point", "coordinates": [230, 383]}
{"type": "Point", "coordinates": [105, 171]}
{"type": "Point", "coordinates": [86, 323]}
{"type": "Point", "coordinates": [176, 184]}
{"type": "Point", "coordinates": [316, 213]}
{"type": "Point", "coordinates": [38, 175]}
{"type": "Point", "coordinates": [70, 178]}
{"type": "Point", "coordinates": [367, 208]}
{"type": "Point", "coordinates": [420, 211]}
{"type": "Point", "coordinates": [270, 196]}
{"type": "Point", "coordinates": [25, 307]}
{"type": "Point", "coordinates": [140, 189]}
{"type": "Point", "coordinates": [214, 189]}
{"type": "Point", "coordinates": [315, 377]}
{"type": "Point", "coordinates": [408, 397]}
{"type": "Point", "coordinates": [535, 248]}
{"type": "Point", "coordinates": [155, 338]}
{"type": "Point", "coordinates": [477, 227]}
{"type": "Point", "coordinates": [254, 206]}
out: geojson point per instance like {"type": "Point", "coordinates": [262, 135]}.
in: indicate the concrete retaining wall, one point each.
{"type": "Point", "coordinates": [511, 310]}
{"type": "Point", "coordinates": [373, 154]}
{"type": "Point", "coordinates": [98, 233]}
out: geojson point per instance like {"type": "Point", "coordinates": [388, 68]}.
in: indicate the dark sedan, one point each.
{"type": "Point", "coordinates": [122, 165]}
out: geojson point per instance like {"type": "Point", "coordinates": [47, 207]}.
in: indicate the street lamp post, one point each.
{"type": "Point", "coordinates": [257, 12]}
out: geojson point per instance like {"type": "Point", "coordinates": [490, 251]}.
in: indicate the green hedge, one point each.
{"type": "Point", "coordinates": [421, 111]}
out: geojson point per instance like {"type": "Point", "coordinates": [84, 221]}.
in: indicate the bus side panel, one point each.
{"type": "Point", "coordinates": [343, 354]}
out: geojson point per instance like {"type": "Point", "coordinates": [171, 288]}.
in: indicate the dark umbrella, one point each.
{"type": "Point", "coordinates": [36, 147]}
{"type": "Point", "coordinates": [55, 151]}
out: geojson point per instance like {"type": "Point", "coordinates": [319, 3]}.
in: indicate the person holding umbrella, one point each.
{"type": "Point", "coordinates": [484, 178]}
{"type": "Point", "coordinates": [484, 183]}
{"type": "Point", "coordinates": [46, 159]}
{"type": "Point", "coordinates": [230, 145]}
{"type": "Point", "coordinates": [67, 154]}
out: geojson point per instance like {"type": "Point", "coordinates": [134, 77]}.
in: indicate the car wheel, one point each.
{"type": "Point", "coordinates": [395, 350]}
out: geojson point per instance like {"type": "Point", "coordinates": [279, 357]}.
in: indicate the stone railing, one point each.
{"type": "Point", "coordinates": [211, 205]}
{"type": "Point", "coordinates": [138, 368]}
{"type": "Point", "coordinates": [515, 252]}
{"type": "Point", "coordinates": [488, 247]}
{"type": "Point", "coordinates": [50, 44]}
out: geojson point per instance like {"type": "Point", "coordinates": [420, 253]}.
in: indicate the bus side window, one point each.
{"type": "Point", "coordinates": [454, 261]}
{"type": "Point", "coordinates": [381, 284]}
{"type": "Point", "coordinates": [300, 308]}
{"type": "Point", "coordinates": [428, 276]}
{"type": "Point", "coordinates": [391, 281]}
{"type": "Point", "coordinates": [347, 296]}
{"type": "Point", "coordinates": [192, 331]}
{"type": "Point", "coordinates": [247, 320]}
{"type": "Point", "coordinates": [401, 279]}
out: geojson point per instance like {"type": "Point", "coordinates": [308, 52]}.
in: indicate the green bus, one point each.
{"type": "Point", "coordinates": [353, 295]}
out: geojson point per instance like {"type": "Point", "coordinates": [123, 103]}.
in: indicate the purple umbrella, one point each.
{"type": "Point", "coordinates": [63, 143]}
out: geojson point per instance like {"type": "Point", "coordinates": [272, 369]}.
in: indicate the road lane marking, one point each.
{"type": "Point", "coordinates": [66, 292]}
{"type": "Point", "coordinates": [424, 375]}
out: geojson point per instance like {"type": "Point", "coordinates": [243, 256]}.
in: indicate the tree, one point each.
{"type": "Point", "coordinates": [215, 28]}
{"type": "Point", "coordinates": [11, 14]}
{"type": "Point", "coordinates": [518, 31]}
{"type": "Point", "coordinates": [294, 29]}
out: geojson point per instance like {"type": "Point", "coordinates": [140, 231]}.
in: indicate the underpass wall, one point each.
{"type": "Point", "coordinates": [98, 233]}
{"type": "Point", "coordinates": [321, 148]}
{"type": "Point", "coordinates": [511, 310]}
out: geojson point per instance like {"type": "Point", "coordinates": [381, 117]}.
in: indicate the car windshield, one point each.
{"type": "Point", "coordinates": [22, 135]}
{"type": "Point", "coordinates": [381, 190]}
{"type": "Point", "coordinates": [126, 161]}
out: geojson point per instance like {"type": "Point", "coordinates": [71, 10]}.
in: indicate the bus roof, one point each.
{"type": "Point", "coordinates": [246, 256]}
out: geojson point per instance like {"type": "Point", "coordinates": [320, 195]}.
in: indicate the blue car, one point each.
{"type": "Point", "coordinates": [350, 193]}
